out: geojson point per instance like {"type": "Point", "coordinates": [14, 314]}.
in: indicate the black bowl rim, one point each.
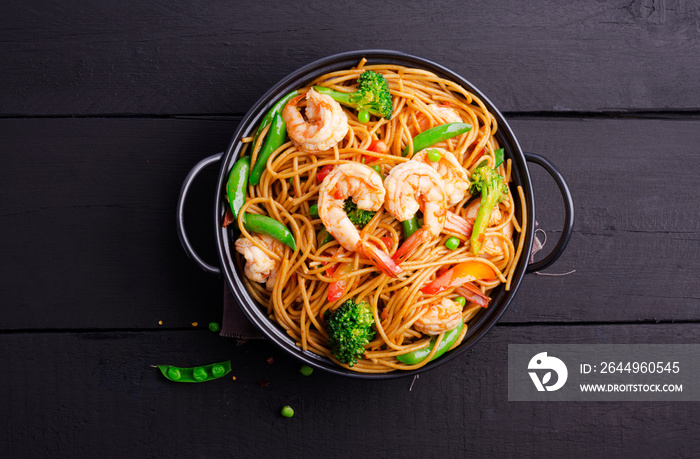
{"type": "Point", "coordinates": [479, 325]}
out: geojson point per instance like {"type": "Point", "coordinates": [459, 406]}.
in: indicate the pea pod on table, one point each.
{"type": "Point", "coordinates": [413, 357]}
{"type": "Point", "coordinates": [196, 374]}
{"type": "Point", "coordinates": [436, 135]}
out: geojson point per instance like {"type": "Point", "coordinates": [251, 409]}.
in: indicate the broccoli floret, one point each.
{"type": "Point", "coordinates": [350, 330]}
{"type": "Point", "coordinates": [357, 216]}
{"type": "Point", "coordinates": [372, 95]}
{"type": "Point", "coordinates": [493, 189]}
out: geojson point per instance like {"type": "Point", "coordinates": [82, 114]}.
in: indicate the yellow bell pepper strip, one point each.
{"type": "Point", "coordinates": [460, 274]}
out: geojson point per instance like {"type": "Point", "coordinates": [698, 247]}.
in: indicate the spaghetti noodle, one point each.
{"type": "Point", "coordinates": [297, 292]}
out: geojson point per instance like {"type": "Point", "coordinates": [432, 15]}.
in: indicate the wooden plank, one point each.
{"type": "Point", "coordinates": [71, 395]}
{"type": "Point", "coordinates": [94, 200]}
{"type": "Point", "coordinates": [88, 222]}
{"type": "Point", "coordinates": [67, 58]}
{"type": "Point", "coordinates": [635, 246]}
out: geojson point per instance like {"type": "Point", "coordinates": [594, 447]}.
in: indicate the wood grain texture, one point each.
{"type": "Point", "coordinates": [635, 246]}
{"type": "Point", "coordinates": [136, 57]}
{"type": "Point", "coordinates": [88, 214]}
{"type": "Point", "coordinates": [88, 222]}
{"type": "Point", "coordinates": [72, 395]}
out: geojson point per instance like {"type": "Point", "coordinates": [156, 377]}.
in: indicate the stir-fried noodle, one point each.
{"type": "Point", "coordinates": [295, 286]}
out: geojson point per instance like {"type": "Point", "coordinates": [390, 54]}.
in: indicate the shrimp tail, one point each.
{"type": "Point", "coordinates": [473, 294]}
{"type": "Point", "coordinates": [411, 244]}
{"type": "Point", "coordinates": [380, 259]}
{"type": "Point", "coordinates": [458, 225]}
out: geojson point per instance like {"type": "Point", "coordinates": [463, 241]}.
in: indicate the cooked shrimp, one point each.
{"type": "Point", "coordinates": [365, 187]}
{"type": "Point", "coordinates": [259, 266]}
{"type": "Point", "coordinates": [325, 125]}
{"type": "Point", "coordinates": [411, 186]}
{"type": "Point", "coordinates": [446, 113]}
{"type": "Point", "coordinates": [443, 113]}
{"type": "Point", "coordinates": [442, 316]}
{"type": "Point", "coordinates": [454, 176]}
{"type": "Point", "coordinates": [495, 244]}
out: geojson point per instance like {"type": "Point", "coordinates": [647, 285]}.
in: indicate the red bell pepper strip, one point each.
{"type": "Point", "coordinates": [336, 288]}
{"type": "Point", "coordinates": [377, 146]}
{"type": "Point", "coordinates": [460, 274]}
{"type": "Point", "coordinates": [325, 170]}
{"type": "Point", "coordinates": [388, 242]}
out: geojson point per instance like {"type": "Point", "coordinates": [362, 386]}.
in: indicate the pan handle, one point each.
{"type": "Point", "coordinates": [568, 218]}
{"type": "Point", "coordinates": [189, 250]}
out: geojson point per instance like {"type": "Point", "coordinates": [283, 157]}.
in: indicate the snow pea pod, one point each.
{"type": "Point", "coordinates": [324, 237]}
{"type": "Point", "coordinates": [413, 357]}
{"type": "Point", "coordinates": [499, 157]}
{"type": "Point", "coordinates": [196, 374]}
{"type": "Point", "coordinates": [275, 139]}
{"type": "Point", "coordinates": [267, 225]}
{"type": "Point", "coordinates": [271, 114]}
{"type": "Point", "coordinates": [498, 154]}
{"type": "Point", "coordinates": [436, 135]}
{"type": "Point", "coordinates": [236, 189]}
{"type": "Point", "coordinates": [237, 185]}
{"type": "Point", "coordinates": [410, 226]}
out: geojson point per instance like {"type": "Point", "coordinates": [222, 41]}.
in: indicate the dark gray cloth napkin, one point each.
{"type": "Point", "coordinates": [236, 324]}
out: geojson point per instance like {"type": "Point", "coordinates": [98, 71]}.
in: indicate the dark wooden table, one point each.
{"type": "Point", "coordinates": [105, 106]}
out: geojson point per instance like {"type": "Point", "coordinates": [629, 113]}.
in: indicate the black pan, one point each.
{"type": "Point", "coordinates": [483, 321]}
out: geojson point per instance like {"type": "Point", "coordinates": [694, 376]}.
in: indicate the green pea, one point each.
{"type": "Point", "coordinates": [306, 370]}
{"type": "Point", "coordinates": [434, 155]}
{"type": "Point", "coordinates": [199, 374]}
{"type": "Point", "coordinates": [363, 116]}
{"type": "Point", "coordinates": [174, 373]}
{"type": "Point", "coordinates": [218, 371]}
{"type": "Point", "coordinates": [313, 210]}
{"type": "Point", "coordinates": [287, 411]}
{"type": "Point", "coordinates": [452, 243]}
{"type": "Point", "coordinates": [214, 326]}
{"type": "Point", "coordinates": [460, 300]}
